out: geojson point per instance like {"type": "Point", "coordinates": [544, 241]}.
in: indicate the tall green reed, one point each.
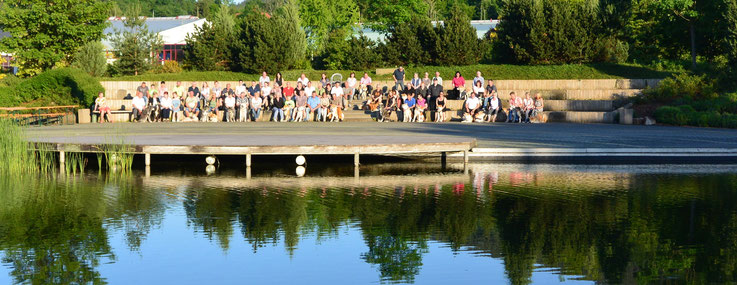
{"type": "Point", "coordinates": [18, 155]}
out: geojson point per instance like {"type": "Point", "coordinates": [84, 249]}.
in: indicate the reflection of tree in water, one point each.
{"type": "Point", "coordinates": [52, 233]}
{"type": "Point", "coordinates": [398, 259]}
{"type": "Point", "coordinates": [135, 209]}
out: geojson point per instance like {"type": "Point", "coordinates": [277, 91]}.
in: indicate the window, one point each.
{"type": "Point", "coordinates": [172, 52]}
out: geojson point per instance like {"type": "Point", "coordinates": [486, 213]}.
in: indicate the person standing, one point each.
{"type": "Point", "coordinates": [438, 78]}
{"type": "Point", "coordinates": [398, 76]}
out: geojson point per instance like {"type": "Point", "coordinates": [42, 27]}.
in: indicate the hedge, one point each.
{"type": "Point", "coordinates": [495, 71]}
{"type": "Point", "coordinates": [686, 115]}
{"type": "Point", "coordinates": [63, 86]}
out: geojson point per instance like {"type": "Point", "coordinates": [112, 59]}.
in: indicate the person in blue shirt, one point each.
{"type": "Point", "coordinates": [313, 105]}
{"type": "Point", "coordinates": [410, 103]}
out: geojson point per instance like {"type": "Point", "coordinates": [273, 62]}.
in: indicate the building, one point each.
{"type": "Point", "coordinates": [173, 32]}
{"type": "Point", "coordinates": [481, 26]}
{"type": "Point", "coordinates": [5, 64]}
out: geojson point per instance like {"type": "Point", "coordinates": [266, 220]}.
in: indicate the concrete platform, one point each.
{"type": "Point", "coordinates": [498, 141]}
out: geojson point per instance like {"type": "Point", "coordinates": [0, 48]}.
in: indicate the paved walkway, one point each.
{"type": "Point", "coordinates": [498, 135]}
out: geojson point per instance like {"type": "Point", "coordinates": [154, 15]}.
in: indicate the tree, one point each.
{"type": "Point", "coordinates": [459, 44]}
{"type": "Point", "coordinates": [730, 16]}
{"type": "Point", "coordinates": [386, 14]}
{"type": "Point", "coordinates": [319, 18]}
{"type": "Point", "coordinates": [356, 53]}
{"type": "Point", "coordinates": [208, 48]}
{"type": "Point", "coordinates": [411, 42]}
{"type": "Point", "coordinates": [45, 34]}
{"type": "Point", "coordinates": [135, 45]}
{"type": "Point", "coordinates": [269, 42]}
{"type": "Point", "coordinates": [684, 10]}
{"type": "Point", "coordinates": [91, 59]}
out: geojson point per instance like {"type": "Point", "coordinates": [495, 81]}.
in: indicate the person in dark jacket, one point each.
{"type": "Point", "coordinates": [277, 109]}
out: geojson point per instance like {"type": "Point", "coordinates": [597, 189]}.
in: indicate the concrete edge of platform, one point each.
{"type": "Point", "coordinates": [602, 155]}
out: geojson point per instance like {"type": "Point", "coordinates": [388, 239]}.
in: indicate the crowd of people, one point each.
{"type": "Point", "coordinates": [416, 100]}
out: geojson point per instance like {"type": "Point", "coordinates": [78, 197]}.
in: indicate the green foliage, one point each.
{"type": "Point", "coordinates": [62, 86]}
{"type": "Point", "coordinates": [495, 71]}
{"type": "Point", "coordinates": [323, 20]}
{"type": "Point", "coordinates": [45, 35]}
{"type": "Point", "coordinates": [208, 48]}
{"type": "Point", "coordinates": [552, 32]}
{"type": "Point", "coordinates": [411, 42]}
{"type": "Point", "coordinates": [168, 66]}
{"type": "Point", "coordinates": [356, 53]}
{"type": "Point", "coordinates": [458, 44]}
{"type": "Point", "coordinates": [682, 86]}
{"type": "Point", "coordinates": [160, 8]}
{"type": "Point", "coordinates": [91, 59]}
{"type": "Point", "coordinates": [269, 42]}
{"type": "Point", "coordinates": [136, 47]}
{"type": "Point", "coordinates": [385, 15]}
{"type": "Point", "coordinates": [685, 115]}
{"type": "Point", "coordinates": [730, 39]}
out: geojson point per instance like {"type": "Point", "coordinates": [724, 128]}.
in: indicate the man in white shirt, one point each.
{"type": "Point", "coordinates": [265, 89]}
{"type": "Point", "coordinates": [309, 89]}
{"type": "Point", "coordinates": [337, 90]}
{"type": "Point", "coordinates": [229, 103]}
{"type": "Point", "coordinates": [264, 78]}
{"type": "Point", "coordinates": [256, 102]}
{"type": "Point", "coordinates": [138, 104]}
{"type": "Point", "coordinates": [240, 88]}
{"type": "Point", "coordinates": [472, 105]}
{"type": "Point", "coordinates": [303, 79]}
{"type": "Point", "coordinates": [438, 78]}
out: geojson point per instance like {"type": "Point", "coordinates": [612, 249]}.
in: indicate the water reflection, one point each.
{"type": "Point", "coordinates": [613, 224]}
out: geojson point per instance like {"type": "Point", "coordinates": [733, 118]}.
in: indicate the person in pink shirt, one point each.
{"type": "Point", "coordinates": [420, 109]}
{"type": "Point", "coordinates": [458, 84]}
{"type": "Point", "coordinates": [366, 81]}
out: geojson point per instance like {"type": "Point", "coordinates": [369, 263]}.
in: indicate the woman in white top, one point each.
{"type": "Point", "coordinates": [205, 91]}
{"type": "Point", "coordinates": [528, 106]}
{"type": "Point", "coordinates": [478, 88]}
{"type": "Point", "coordinates": [350, 86]}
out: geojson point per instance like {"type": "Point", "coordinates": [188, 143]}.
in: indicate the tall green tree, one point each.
{"type": "Point", "coordinates": [136, 47]}
{"type": "Point", "coordinates": [91, 59]}
{"type": "Point", "coordinates": [730, 43]}
{"type": "Point", "coordinates": [411, 42]}
{"type": "Point", "coordinates": [386, 14]}
{"type": "Point", "coordinates": [208, 48]}
{"type": "Point", "coordinates": [319, 18]}
{"type": "Point", "coordinates": [160, 8]}
{"type": "Point", "coordinates": [269, 42]}
{"type": "Point", "coordinates": [46, 34]}
{"type": "Point", "coordinates": [459, 44]}
{"type": "Point", "coordinates": [684, 11]}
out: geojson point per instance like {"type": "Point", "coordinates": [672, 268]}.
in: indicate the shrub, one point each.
{"type": "Point", "coordinates": [682, 86]}
{"type": "Point", "coordinates": [169, 66]}
{"type": "Point", "coordinates": [63, 86]}
{"type": "Point", "coordinates": [91, 59]}
{"type": "Point", "coordinates": [686, 115]}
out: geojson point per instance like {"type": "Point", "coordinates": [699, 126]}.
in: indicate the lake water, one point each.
{"type": "Point", "coordinates": [395, 223]}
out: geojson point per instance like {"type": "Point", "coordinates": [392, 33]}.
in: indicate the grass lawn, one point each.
{"type": "Point", "coordinates": [498, 72]}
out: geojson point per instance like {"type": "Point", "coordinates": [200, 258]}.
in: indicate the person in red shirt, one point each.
{"type": "Point", "coordinates": [288, 91]}
{"type": "Point", "coordinates": [459, 83]}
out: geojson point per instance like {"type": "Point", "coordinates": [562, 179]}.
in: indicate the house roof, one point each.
{"type": "Point", "coordinates": [156, 25]}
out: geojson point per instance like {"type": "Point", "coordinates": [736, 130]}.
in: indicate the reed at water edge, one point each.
{"type": "Point", "coordinates": [18, 155]}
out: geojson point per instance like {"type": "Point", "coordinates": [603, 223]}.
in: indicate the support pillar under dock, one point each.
{"type": "Point", "coordinates": [147, 158]}
{"type": "Point", "coordinates": [248, 160]}
{"type": "Point", "coordinates": [356, 161]}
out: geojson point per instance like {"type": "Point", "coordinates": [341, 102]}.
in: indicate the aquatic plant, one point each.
{"type": "Point", "coordinates": [19, 156]}
{"type": "Point", "coordinates": [118, 155]}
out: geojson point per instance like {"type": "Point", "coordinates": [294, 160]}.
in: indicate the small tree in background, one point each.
{"type": "Point", "coordinates": [730, 17]}
{"type": "Point", "coordinates": [269, 42]}
{"type": "Point", "coordinates": [459, 44]}
{"type": "Point", "coordinates": [91, 59]}
{"type": "Point", "coordinates": [208, 48]}
{"type": "Point", "coordinates": [135, 45]}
